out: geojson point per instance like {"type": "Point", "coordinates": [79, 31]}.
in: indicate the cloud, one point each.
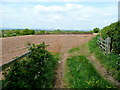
{"type": "Point", "coordinates": [60, 0]}
{"type": "Point", "coordinates": [67, 15]}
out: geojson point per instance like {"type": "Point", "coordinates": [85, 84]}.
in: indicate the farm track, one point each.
{"type": "Point", "coordinates": [97, 65]}
{"type": "Point", "coordinates": [60, 72]}
{"type": "Point", "coordinates": [16, 46]}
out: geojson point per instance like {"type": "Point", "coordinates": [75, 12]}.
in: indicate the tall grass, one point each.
{"type": "Point", "coordinates": [82, 74]}
{"type": "Point", "coordinates": [110, 62]}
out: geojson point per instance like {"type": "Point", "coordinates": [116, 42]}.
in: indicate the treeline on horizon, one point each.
{"type": "Point", "coordinates": [19, 32]}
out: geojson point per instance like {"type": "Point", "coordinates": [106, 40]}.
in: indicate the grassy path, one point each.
{"type": "Point", "coordinates": [60, 72]}
{"type": "Point", "coordinates": [98, 66]}
{"type": "Point", "coordinates": [82, 53]}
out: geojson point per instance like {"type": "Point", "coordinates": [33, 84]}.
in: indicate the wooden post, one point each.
{"type": "Point", "coordinates": [108, 44]}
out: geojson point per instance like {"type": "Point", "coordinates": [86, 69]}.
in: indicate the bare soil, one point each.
{"type": "Point", "coordinates": [16, 46]}
{"type": "Point", "coordinates": [97, 65]}
{"type": "Point", "coordinates": [60, 72]}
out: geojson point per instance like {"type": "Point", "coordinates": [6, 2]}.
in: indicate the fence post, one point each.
{"type": "Point", "coordinates": [108, 44]}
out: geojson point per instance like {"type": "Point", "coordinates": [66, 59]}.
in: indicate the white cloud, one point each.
{"type": "Point", "coordinates": [60, 0]}
{"type": "Point", "coordinates": [63, 16]}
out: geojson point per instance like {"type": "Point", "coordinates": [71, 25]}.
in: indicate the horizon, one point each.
{"type": "Point", "coordinates": [58, 15]}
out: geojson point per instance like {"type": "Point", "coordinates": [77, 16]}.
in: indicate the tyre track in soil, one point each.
{"type": "Point", "coordinates": [57, 43]}
{"type": "Point", "coordinates": [98, 66]}
{"type": "Point", "coordinates": [60, 72]}
{"type": "Point", "coordinates": [103, 72]}
{"type": "Point", "coordinates": [61, 68]}
{"type": "Point", "coordinates": [16, 46]}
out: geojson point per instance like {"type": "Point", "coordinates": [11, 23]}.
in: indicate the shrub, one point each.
{"type": "Point", "coordinates": [96, 30]}
{"type": "Point", "coordinates": [113, 31]}
{"type": "Point", "coordinates": [35, 71]}
{"type": "Point", "coordinates": [42, 32]}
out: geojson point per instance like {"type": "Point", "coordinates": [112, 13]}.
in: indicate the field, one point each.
{"type": "Point", "coordinates": [16, 46]}
{"type": "Point", "coordinates": [73, 65]}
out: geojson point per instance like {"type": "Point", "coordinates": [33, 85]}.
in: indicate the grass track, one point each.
{"type": "Point", "coordinates": [82, 74]}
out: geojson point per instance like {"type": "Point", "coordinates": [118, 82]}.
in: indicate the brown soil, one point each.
{"type": "Point", "coordinates": [60, 72]}
{"type": "Point", "coordinates": [98, 66]}
{"type": "Point", "coordinates": [103, 72]}
{"type": "Point", "coordinates": [16, 46]}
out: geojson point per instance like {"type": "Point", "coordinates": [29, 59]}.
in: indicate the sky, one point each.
{"type": "Point", "coordinates": [58, 14]}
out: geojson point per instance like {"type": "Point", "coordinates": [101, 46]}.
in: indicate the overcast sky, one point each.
{"type": "Point", "coordinates": [63, 14]}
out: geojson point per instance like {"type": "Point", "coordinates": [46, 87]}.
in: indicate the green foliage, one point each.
{"type": "Point", "coordinates": [17, 32]}
{"type": "Point", "coordinates": [113, 31]}
{"type": "Point", "coordinates": [82, 74]}
{"type": "Point", "coordinates": [27, 32]}
{"type": "Point", "coordinates": [96, 30]}
{"type": "Point", "coordinates": [41, 32]}
{"type": "Point", "coordinates": [35, 71]}
{"type": "Point", "coordinates": [110, 62]}
{"type": "Point", "coordinates": [58, 31]}
{"type": "Point", "coordinates": [73, 50]}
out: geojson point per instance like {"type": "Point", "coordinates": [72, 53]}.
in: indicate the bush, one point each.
{"type": "Point", "coordinates": [27, 32]}
{"type": "Point", "coordinates": [96, 30]}
{"type": "Point", "coordinates": [41, 32]}
{"type": "Point", "coordinates": [113, 31]}
{"type": "Point", "coordinates": [35, 71]}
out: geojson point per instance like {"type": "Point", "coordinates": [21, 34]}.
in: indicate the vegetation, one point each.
{"type": "Point", "coordinates": [18, 32]}
{"type": "Point", "coordinates": [96, 30]}
{"type": "Point", "coordinates": [27, 32]}
{"type": "Point", "coordinates": [10, 33]}
{"type": "Point", "coordinates": [35, 71]}
{"type": "Point", "coordinates": [110, 62]}
{"type": "Point", "coordinates": [67, 32]}
{"type": "Point", "coordinates": [41, 32]}
{"type": "Point", "coordinates": [113, 31]}
{"type": "Point", "coordinates": [82, 74]}
{"type": "Point", "coordinates": [73, 50]}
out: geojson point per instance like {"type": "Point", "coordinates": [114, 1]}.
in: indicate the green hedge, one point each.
{"type": "Point", "coordinates": [113, 31]}
{"type": "Point", "coordinates": [35, 71]}
{"type": "Point", "coordinates": [110, 62]}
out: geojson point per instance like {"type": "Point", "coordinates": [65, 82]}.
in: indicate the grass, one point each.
{"type": "Point", "coordinates": [81, 74]}
{"type": "Point", "coordinates": [73, 50]}
{"type": "Point", "coordinates": [110, 62]}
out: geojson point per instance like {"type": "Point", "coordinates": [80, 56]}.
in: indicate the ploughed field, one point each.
{"type": "Point", "coordinates": [16, 46]}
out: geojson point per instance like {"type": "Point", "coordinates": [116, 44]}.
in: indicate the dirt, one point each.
{"type": "Point", "coordinates": [103, 72]}
{"type": "Point", "coordinates": [98, 66]}
{"type": "Point", "coordinates": [60, 72]}
{"type": "Point", "coordinates": [16, 46]}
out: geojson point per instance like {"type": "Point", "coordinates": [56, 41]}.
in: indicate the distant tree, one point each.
{"type": "Point", "coordinates": [32, 31]}
{"type": "Point", "coordinates": [96, 30]}
{"type": "Point", "coordinates": [9, 33]}
{"type": "Point", "coordinates": [17, 32]}
{"type": "Point", "coordinates": [42, 32]}
{"type": "Point", "coordinates": [25, 32]}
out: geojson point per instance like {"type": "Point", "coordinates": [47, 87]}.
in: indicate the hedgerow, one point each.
{"type": "Point", "coordinates": [35, 71]}
{"type": "Point", "coordinates": [113, 31]}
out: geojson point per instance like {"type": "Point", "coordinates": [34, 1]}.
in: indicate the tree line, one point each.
{"type": "Point", "coordinates": [18, 32]}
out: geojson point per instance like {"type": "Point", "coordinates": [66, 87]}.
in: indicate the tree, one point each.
{"type": "Point", "coordinates": [32, 31]}
{"type": "Point", "coordinates": [9, 33]}
{"type": "Point", "coordinates": [25, 32]}
{"type": "Point", "coordinates": [96, 30]}
{"type": "Point", "coordinates": [42, 32]}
